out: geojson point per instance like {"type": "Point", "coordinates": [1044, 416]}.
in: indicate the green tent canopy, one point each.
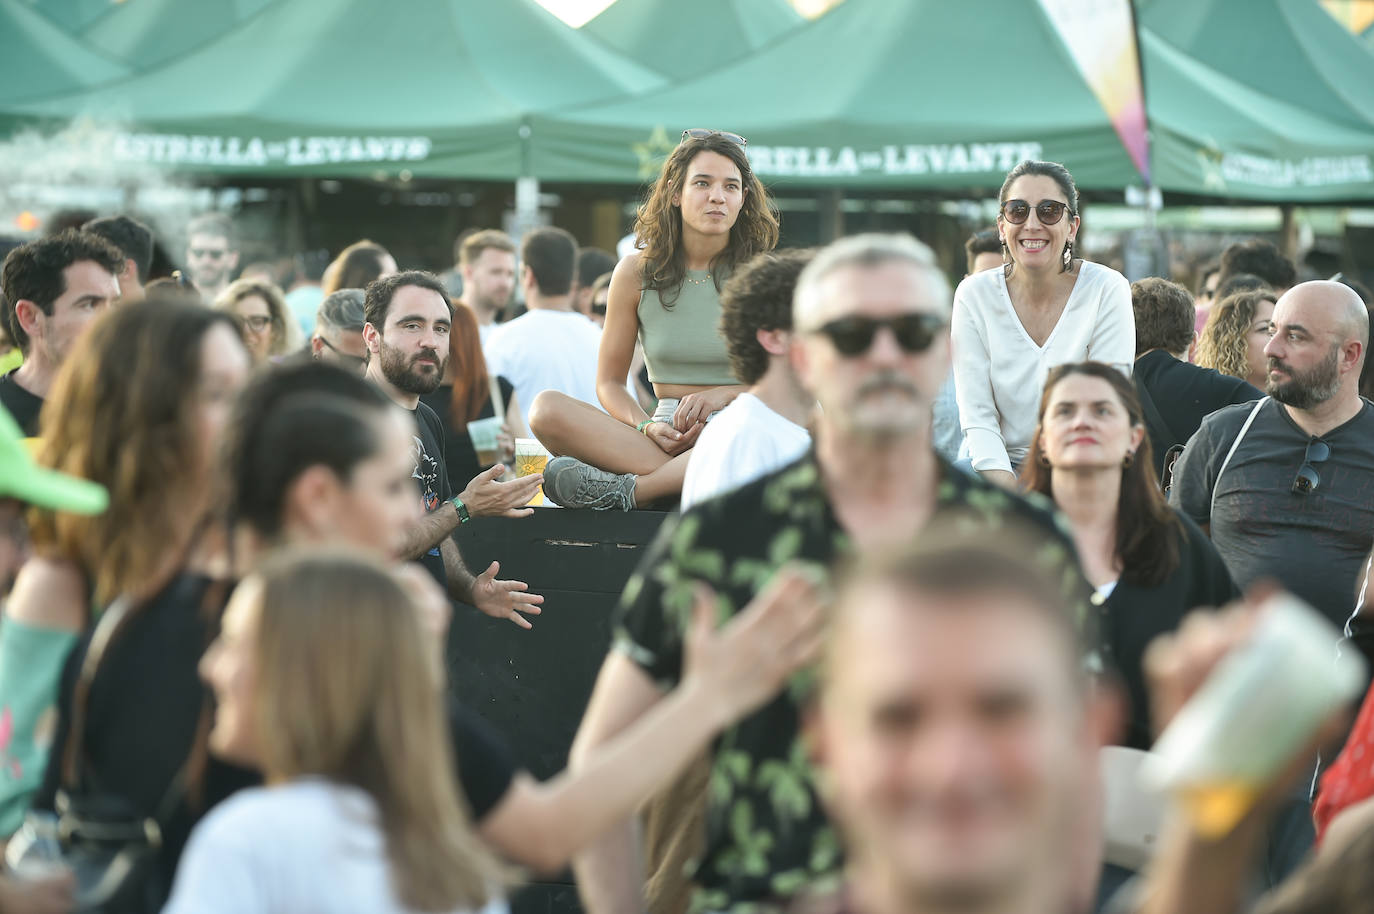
{"type": "Point", "coordinates": [294, 90]}
{"type": "Point", "coordinates": [38, 59]}
{"type": "Point", "coordinates": [682, 40]}
{"type": "Point", "coordinates": [147, 33]}
{"type": "Point", "coordinates": [918, 94]}
{"type": "Point", "coordinates": [844, 101]}
{"type": "Point", "coordinates": [1288, 49]}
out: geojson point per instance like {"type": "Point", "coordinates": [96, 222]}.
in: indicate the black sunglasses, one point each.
{"type": "Point", "coordinates": [853, 336]}
{"type": "Point", "coordinates": [343, 356]}
{"type": "Point", "coordinates": [701, 133]}
{"type": "Point", "coordinates": [1047, 211]}
{"type": "Point", "coordinates": [1308, 478]}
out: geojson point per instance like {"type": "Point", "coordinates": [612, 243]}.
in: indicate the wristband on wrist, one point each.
{"type": "Point", "coordinates": [645, 424]}
{"type": "Point", "coordinates": [462, 509]}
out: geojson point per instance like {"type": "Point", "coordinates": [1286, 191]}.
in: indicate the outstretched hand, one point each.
{"type": "Point", "coordinates": [505, 599]}
{"type": "Point", "coordinates": [745, 662]}
{"type": "Point", "coordinates": [487, 496]}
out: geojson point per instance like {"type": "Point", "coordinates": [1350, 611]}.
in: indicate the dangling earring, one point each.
{"type": "Point", "coordinates": [1006, 253]}
{"type": "Point", "coordinates": [1128, 460]}
{"type": "Point", "coordinates": [1068, 254]}
{"type": "Point", "coordinates": [1044, 459]}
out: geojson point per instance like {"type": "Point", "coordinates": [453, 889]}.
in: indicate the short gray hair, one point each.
{"type": "Point", "coordinates": [342, 310]}
{"type": "Point", "coordinates": [867, 250]}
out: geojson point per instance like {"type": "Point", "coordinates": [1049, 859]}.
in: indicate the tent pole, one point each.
{"type": "Point", "coordinates": [831, 214]}
{"type": "Point", "coordinates": [1288, 232]}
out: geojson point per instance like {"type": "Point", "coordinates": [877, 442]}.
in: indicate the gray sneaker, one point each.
{"type": "Point", "coordinates": [574, 484]}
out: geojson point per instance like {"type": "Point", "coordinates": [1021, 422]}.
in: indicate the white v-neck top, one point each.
{"type": "Point", "coordinates": [999, 371]}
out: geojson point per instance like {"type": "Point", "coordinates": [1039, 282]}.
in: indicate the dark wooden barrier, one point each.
{"type": "Point", "coordinates": [533, 686]}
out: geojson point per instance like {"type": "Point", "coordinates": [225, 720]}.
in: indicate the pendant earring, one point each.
{"type": "Point", "coordinates": [1127, 460]}
{"type": "Point", "coordinates": [1006, 253]}
{"type": "Point", "coordinates": [1044, 459]}
{"type": "Point", "coordinates": [1068, 254]}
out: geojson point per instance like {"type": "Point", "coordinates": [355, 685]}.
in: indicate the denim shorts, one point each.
{"type": "Point", "coordinates": [668, 405]}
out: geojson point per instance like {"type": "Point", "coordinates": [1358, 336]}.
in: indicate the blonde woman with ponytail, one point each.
{"type": "Point", "coordinates": [326, 680]}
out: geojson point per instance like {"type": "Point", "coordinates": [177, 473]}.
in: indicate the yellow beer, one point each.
{"type": "Point", "coordinates": [1216, 809]}
{"type": "Point", "coordinates": [530, 459]}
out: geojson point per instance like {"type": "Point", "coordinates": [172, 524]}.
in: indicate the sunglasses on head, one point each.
{"type": "Point", "coordinates": [1047, 211]}
{"type": "Point", "coordinates": [1308, 478]}
{"type": "Point", "coordinates": [853, 336]}
{"type": "Point", "coordinates": [701, 133]}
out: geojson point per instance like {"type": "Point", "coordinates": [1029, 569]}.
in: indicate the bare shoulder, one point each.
{"type": "Point", "coordinates": [50, 593]}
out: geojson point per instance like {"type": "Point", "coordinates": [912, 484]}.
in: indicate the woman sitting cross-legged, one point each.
{"type": "Point", "coordinates": [706, 215]}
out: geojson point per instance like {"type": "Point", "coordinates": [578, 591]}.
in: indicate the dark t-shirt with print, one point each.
{"type": "Point", "coordinates": [22, 405]}
{"type": "Point", "coordinates": [459, 455]}
{"type": "Point", "coordinates": [766, 835]}
{"type": "Point", "coordinates": [1314, 544]}
{"type": "Point", "coordinates": [431, 475]}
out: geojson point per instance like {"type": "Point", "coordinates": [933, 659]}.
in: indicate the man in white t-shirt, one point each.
{"type": "Point", "coordinates": [764, 428]}
{"type": "Point", "coordinates": [551, 346]}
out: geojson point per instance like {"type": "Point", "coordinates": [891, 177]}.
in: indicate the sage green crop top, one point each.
{"type": "Point", "coordinates": [684, 345]}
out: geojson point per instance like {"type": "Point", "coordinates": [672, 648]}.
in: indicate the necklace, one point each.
{"type": "Point", "coordinates": [700, 282]}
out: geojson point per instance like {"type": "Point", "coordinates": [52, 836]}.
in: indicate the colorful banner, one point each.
{"type": "Point", "coordinates": [1101, 38]}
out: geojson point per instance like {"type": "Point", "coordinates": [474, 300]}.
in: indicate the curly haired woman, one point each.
{"type": "Point", "coordinates": [1233, 340]}
{"type": "Point", "coordinates": [706, 214]}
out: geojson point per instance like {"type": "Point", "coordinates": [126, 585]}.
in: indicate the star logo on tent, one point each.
{"type": "Point", "coordinates": [652, 152]}
{"type": "Point", "coordinates": [1209, 160]}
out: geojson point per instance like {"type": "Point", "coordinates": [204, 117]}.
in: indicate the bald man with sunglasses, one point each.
{"type": "Point", "coordinates": [871, 344]}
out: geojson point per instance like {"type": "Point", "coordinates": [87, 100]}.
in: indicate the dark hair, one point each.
{"type": "Point", "coordinates": [471, 244]}
{"type": "Point", "coordinates": [380, 292]}
{"type": "Point", "coordinates": [658, 227]}
{"type": "Point", "coordinates": [551, 255]}
{"type": "Point", "coordinates": [1263, 259]}
{"type": "Point", "coordinates": [1057, 173]}
{"type": "Point", "coordinates": [343, 310]}
{"type": "Point", "coordinates": [759, 297]}
{"type": "Point", "coordinates": [1147, 529]}
{"type": "Point", "coordinates": [289, 418]}
{"type": "Point", "coordinates": [985, 241]}
{"type": "Point", "coordinates": [35, 272]}
{"type": "Point", "coordinates": [602, 282]}
{"type": "Point", "coordinates": [1242, 282]}
{"type": "Point", "coordinates": [356, 266]}
{"type": "Point", "coordinates": [176, 289]}
{"type": "Point", "coordinates": [217, 225]}
{"type": "Point", "coordinates": [1204, 273]}
{"type": "Point", "coordinates": [1164, 316]}
{"type": "Point", "coordinates": [591, 263]}
{"type": "Point", "coordinates": [957, 555]}
{"type": "Point", "coordinates": [133, 238]}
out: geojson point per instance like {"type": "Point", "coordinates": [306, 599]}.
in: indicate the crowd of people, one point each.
{"type": "Point", "coordinates": [928, 550]}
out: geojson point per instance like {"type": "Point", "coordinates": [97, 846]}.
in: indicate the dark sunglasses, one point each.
{"type": "Point", "coordinates": [1047, 211]}
{"type": "Point", "coordinates": [208, 252]}
{"type": "Point", "coordinates": [343, 356]}
{"type": "Point", "coordinates": [701, 133]}
{"type": "Point", "coordinates": [1308, 478]}
{"type": "Point", "coordinates": [853, 336]}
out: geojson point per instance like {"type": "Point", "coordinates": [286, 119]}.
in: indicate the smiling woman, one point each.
{"type": "Point", "coordinates": [1043, 308]}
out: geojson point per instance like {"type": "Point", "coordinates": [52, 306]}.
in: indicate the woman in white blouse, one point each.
{"type": "Point", "coordinates": [1043, 308]}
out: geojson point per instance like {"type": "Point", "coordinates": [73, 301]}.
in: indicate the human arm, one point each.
{"type": "Point", "coordinates": [618, 337]}
{"type": "Point", "coordinates": [1195, 873]}
{"type": "Point", "coordinates": [54, 894]}
{"type": "Point", "coordinates": [498, 599]}
{"type": "Point", "coordinates": [978, 415]}
{"type": "Point", "coordinates": [487, 496]}
{"type": "Point", "coordinates": [697, 407]}
{"type": "Point", "coordinates": [730, 672]}
{"type": "Point", "coordinates": [1191, 492]}
{"type": "Point", "coordinates": [1113, 337]}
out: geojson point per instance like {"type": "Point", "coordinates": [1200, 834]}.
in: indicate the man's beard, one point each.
{"type": "Point", "coordinates": [1304, 390]}
{"type": "Point", "coordinates": [404, 373]}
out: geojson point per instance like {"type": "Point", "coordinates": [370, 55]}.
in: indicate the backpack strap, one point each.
{"type": "Point", "coordinates": [1249, 420]}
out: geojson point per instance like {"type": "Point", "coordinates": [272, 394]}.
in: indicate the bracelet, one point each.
{"type": "Point", "coordinates": [462, 509]}
{"type": "Point", "coordinates": [645, 424]}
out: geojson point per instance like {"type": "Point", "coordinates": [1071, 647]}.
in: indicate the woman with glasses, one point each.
{"type": "Point", "coordinates": [260, 308]}
{"type": "Point", "coordinates": [1044, 307]}
{"type": "Point", "coordinates": [1150, 566]}
{"type": "Point", "coordinates": [706, 215]}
